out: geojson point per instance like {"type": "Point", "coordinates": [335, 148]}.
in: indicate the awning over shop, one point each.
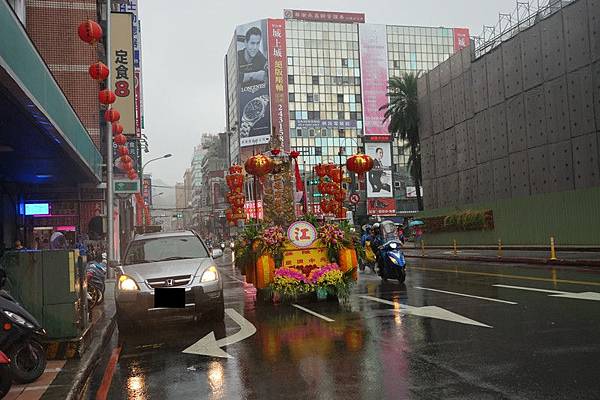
{"type": "Point", "coordinates": [41, 138]}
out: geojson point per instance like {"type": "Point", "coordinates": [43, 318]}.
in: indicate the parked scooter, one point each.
{"type": "Point", "coordinates": [392, 264]}
{"type": "Point", "coordinates": [5, 376]}
{"type": "Point", "coordinates": [20, 338]}
{"type": "Point", "coordinates": [96, 282]}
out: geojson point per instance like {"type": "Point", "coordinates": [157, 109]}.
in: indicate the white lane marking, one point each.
{"type": "Point", "coordinates": [428, 312]}
{"type": "Point", "coordinates": [594, 296]}
{"type": "Point", "coordinates": [530, 289]}
{"type": "Point", "coordinates": [209, 346]}
{"type": "Point", "coordinates": [313, 313]}
{"type": "Point", "coordinates": [466, 295]}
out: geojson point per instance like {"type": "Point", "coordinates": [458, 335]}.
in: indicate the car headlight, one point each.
{"type": "Point", "coordinates": [18, 319]}
{"type": "Point", "coordinates": [210, 274]}
{"type": "Point", "coordinates": [393, 260]}
{"type": "Point", "coordinates": [126, 283]}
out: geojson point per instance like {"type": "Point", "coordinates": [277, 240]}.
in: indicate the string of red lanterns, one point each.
{"type": "Point", "coordinates": [91, 32]}
{"type": "Point", "coordinates": [235, 197]}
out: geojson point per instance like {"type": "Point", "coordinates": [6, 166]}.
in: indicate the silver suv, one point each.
{"type": "Point", "coordinates": [168, 273]}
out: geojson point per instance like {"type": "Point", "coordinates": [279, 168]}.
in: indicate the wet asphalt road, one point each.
{"type": "Point", "coordinates": [529, 345]}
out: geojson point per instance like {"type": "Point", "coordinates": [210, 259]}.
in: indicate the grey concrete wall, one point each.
{"type": "Point", "coordinates": [523, 119]}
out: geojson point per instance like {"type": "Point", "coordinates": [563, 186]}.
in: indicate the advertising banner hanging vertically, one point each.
{"type": "Point", "coordinates": [122, 77]}
{"type": "Point", "coordinates": [380, 186]}
{"type": "Point", "coordinates": [461, 38]}
{"type": "Point", "coordinates": [253, 80]}
{"type": "Point", "coordinates": [278, 80]}
{"type": "Point", "coordinates": [374, 71]}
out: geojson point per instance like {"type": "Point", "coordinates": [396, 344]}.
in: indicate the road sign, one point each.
{"type": "Point", "coordinates": [126, 186]}
{"type": "Point", "coordinates": [354, 198]}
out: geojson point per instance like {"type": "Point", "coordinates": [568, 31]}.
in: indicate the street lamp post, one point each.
{"type": "Point", "coordinates": [142, 179]}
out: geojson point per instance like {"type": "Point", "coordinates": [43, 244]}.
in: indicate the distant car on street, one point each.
{"type": "Point", "coordinates": [168, 274]}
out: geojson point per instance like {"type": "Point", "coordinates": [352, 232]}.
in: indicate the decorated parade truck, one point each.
{"type": "Point", "coordinates": [291, 254]}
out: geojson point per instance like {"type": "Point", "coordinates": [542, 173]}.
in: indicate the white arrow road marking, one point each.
{"type": "Point", "coordinates": [466, 295]}
{"type": "Point", "coordinates": [594, 296]}
{"type": "Point", "coordinates": [209, 346]}
{"type": "Point", "coordinates": [428, 312]}
{"type": "Point", "coordinates": [313, 313]}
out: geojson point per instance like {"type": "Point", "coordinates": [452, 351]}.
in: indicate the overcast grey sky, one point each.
{"type": "Point", "coordinates": [184, 43]}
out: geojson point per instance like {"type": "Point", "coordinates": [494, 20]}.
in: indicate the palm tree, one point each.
{"type": "Point", "coordinates": [403, 115]}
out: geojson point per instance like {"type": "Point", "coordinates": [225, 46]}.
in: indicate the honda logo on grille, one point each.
{"type": "Point", "coordinates": [169, 282]}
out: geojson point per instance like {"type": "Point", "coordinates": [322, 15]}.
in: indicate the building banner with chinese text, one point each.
{"type": "Point", "coordinates": [122, 74]}
{"type": "Point", "coordinates": [253, 80]}
{"type": "Point", "coordinates": [374, 72]}
{"type": "Point", "coordinates": [461, 38]}
{"type": "Point", "coordinates": [324, 16]}
{"type": "Point", "coordinates": [278, 78]}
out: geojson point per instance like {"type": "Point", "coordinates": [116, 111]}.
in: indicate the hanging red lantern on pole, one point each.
{"type": "Point", "coordinates": [259, 165]}
{"type": "Point", "coordinates": [117, 128]}
{"type": "Point", "coordinates": [128, 166]}
{"type": "Point", "coordinates": [321, 170]}
{"type": "Point", "coordinates": [123, 150]}
{"type": "Point", "coordinates": [336, 175]}
{"type": "Point", "coordinates": [131, 174]}
{"type": "Point", "coordinates": [120, 140]}
{"type": "Point", "coordinates": [294, 154]}
{"type": "Point", "coordinates": [112, 115]}
{"type": "Point", "coordinates": [126, 159]}
{"type": "Point", "coordinates": [90, 31]}
{"type": "Point", "coordinates": [234, 181]}
{"type": "Point", "coordinates": [236, 169]}
{"type": "Point", "coordinates": [106, 96]}
{"type": "Point", "coordinates": [359, 163]}
{"type": "Point", "coordinates": [98, 71]}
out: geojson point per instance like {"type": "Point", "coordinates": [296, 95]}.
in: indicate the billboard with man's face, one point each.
{"type": "Point", "coordinates": [253, 80]}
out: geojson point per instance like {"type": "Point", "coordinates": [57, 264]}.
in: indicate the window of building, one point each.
{"type": "Point", "coordinates": [340, 115]}
{"type": "Point", "coordinates": [340, 98]}
{"type": "Point", "coordinates": [299, 132]}
{"type": "Point", "coordinates": [309, 97]}
{"type": "Point", "coordinates": [318, 151]}
{"type": "Point", "coordinates": [324, 132]}
{"type": "Point", "coordinates": [291, 79]}
{"type": "Point", "coordinates": [341, 133]}
{"type": "Point", "coordinates": [358, 99]}
{"type": "Point", "coordinates": [290, 61]}
{"type": "Point", "coordinates": [315, 80]}
{"type": "Point", "coordinates": [292, 97]}
{"type": "Point", "coordinates": [311, 133]}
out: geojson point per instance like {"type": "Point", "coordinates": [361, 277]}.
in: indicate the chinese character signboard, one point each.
{"type": "Point", "coordinates": [253, 80]}
{"type": "Point", "coordinates": [324, 16]}
{"type": "Point", "coordinates": [374, 70]}
{"type": "Point", "coordinates": [147, 189]}
{"type": "Point", "coordinates": [122, 74]}
{"type": "Point", "coordinates": [383, 207]}
{"type": "Point", "coordinates": [302, 234]}
{"type": "Point", "coordinates": [249, 209]}
{"type": "Point", "coordinates": [278, 79]}
{"type": "Point", "coordinates": [323, 123]}
{"type": "Point", "coordinates": [461, 38]}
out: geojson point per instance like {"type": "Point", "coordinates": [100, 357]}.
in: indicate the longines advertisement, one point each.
{"type": "Point", "coordinates": [253, 80]}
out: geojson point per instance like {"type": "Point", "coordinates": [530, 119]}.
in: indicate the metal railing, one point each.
{"type": "Point", "coordinates": [525, 15]}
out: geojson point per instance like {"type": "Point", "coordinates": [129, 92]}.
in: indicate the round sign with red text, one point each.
{"type": "Point", "coordinates": [302, 234]}
{"type": "Point", "coordinates": [354, 198]}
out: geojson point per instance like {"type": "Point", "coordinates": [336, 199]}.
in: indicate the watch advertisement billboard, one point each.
{"type": "Point", "coordinates": [122, 74]}
{"type": "Point", "coordinates": [374, 80]}
{"type": "Point", "coordinates": [280, 116]}
{"type": "Point", "coordinates": [379, 178]}
{"type": "Point", "coordinates": [253, 80]}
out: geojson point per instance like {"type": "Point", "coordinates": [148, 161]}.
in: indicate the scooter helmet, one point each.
{"type": "Point", "coordinates": [376, 227]}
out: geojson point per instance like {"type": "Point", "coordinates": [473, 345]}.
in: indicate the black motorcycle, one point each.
{"type": "Point", "coordinates": [5, 376]}
{"type": "Point", "coordinates": [96, 282]}
{"type": "Point", "coordinates": [20, 338]}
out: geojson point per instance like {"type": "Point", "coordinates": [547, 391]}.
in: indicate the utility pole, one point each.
{"type": "Point", "coordinates": [109, 154]}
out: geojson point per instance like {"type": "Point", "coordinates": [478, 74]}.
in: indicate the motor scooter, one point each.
{"type": "Point", "coordinates": [392, 264]}
{"type": "Point", "coordinates": [96, 282]}
{"type": "Point", "coordinates": [5, 377]}
{"type": "Point", "coordinates": [20, 338]}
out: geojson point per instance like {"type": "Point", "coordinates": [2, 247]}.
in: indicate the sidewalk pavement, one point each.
{"type": "Point", "coordinates": [522, 255]}
{"type": "Point", "coordinates": [66, 379]}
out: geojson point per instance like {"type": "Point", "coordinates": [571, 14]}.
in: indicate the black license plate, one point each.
{"type": "Point", "coordinates": [169, 298]}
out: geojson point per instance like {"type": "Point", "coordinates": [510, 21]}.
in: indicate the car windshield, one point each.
{"type": "Point", "coordinates": [165, 249]}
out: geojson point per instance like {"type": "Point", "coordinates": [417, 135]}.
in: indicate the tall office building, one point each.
{"type": "Point", "coordinates": [319, 79]}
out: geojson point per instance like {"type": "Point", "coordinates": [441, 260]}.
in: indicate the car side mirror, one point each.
{"type": "Point", "coordinates": [216, 253]}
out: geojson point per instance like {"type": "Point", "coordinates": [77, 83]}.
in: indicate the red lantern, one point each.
{"type": "Point", "coordinates": [117, 128]}
{"type": "Point", "coordinates": [106, 96]}
{"type": "Point", "coordinates": [238, 201]}
{"type": "Point", "coordinates": [236, 169]}
{"type": "Point", "coordinates": [120, 140]}
{"type": "Point", "coordinates": [329, 168]}
{"type": "Point", "coordinates": [359, 163]}
{"type": "Point", "coordinates": [98, 71]}
{"type": "Point", "coordinates": [127, 166]}
{"type": "Point", "coordinates": [336, 175]}
{"type": "Point", "coordinates": [131, 174]}
{"type": "Point", "coordinates": [126, 159]}
{"type": "Point", "coordinates": [123, 151]}
{"type": "Point", "coordinates": [234, 181]}
{"type": "Point", "coordinates": [340, 195]}
{"type": "Point", "coordinates": [259, 165]}
{"type": "Point", "coordinates": [89, 31]}
{"type": "Point", "coordinates": [294, 154]}
{"type": "Point", "coordinates": [275, 152]}
{"type": "Point", "coordinates": [322, 187]}
{"type": "Point", "coordinates": [112, 115]}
